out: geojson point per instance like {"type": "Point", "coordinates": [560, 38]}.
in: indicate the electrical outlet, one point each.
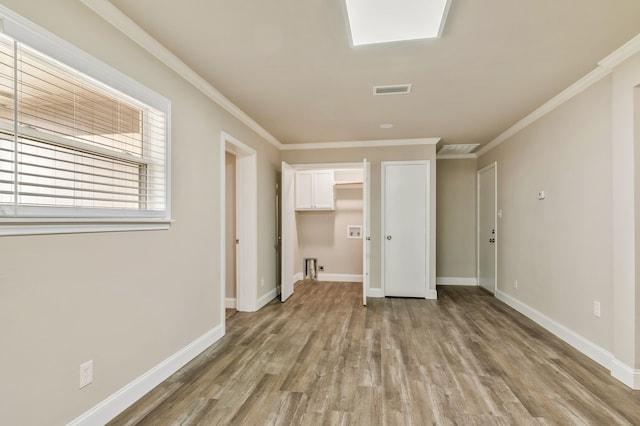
{"type": "Point", "coordinates": [86, 373]}
{"type": "Point", "coordinates": [321, 268]}
{"type": "Point", "coordinates": [515, 284]}
{"type": "Point", "coordinates": [596, 308]}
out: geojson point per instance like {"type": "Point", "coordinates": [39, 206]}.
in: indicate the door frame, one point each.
{"type": "Point", "coordinates": [489, 166]}
{"type": "Point", "coordinates": [332, 166]}
{"type": "Point", "coordinates": [246, 223]}
{"type": "Point", "coordinates": [428, 272]}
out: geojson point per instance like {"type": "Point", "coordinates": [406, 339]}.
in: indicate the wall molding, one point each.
{"type": "Point", "coordinates": [456, 281]}
{"type": "Point", "coordinates": [110, 13]}
{"type": "Point", "coordinates": [588, 348]}
{"type": "Point", "coordinates": [432, 294]}
{"type": "Point", "coordinates": [456, 156]}
{"type": "Point", "coordinates": [132, 392]}
{"type": "Point", "coordinates": [375, 292]}
{"type": "Point", "coordinates": [345, 278]}
{"type": "Point", "coordinates": [298, 277]}
{"type": "Point", "coordinates": [626, 374]}
{"type": "Point", "coordinates": [359, 144]}
{"type": "Point", "coordinates": [262, 301]}
{"type": "Point", "coordinates": [230, 303]}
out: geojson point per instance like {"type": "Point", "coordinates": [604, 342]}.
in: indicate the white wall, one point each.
{"type": "Point", "coordinates": [125, 300]}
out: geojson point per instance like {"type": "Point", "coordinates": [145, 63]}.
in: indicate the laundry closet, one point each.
{"type": "Point", "coordinates": [329, 224]}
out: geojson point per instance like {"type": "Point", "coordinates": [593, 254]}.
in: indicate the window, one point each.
{"type": "Point", "coordinates": [74, 149]}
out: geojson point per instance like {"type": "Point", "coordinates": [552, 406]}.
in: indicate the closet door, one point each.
{"type": "Point", "coordinates": [405, 228]}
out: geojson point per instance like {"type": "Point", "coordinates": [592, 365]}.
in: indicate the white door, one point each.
{"type": "Point", "coordinates": [366, 228]}
{"type": "Point", "coordinates": [288, 237]}
{"type": "Point", "coordinates": [405, 196]}
{"type": "Point", "coordinates": [487, 230]}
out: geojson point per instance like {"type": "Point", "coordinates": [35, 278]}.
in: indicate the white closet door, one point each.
{"type": "Point", "coordinates": [405, 226]}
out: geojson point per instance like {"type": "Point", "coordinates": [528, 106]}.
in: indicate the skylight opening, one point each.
{"type": "Point", "coordinates": [383, 21]}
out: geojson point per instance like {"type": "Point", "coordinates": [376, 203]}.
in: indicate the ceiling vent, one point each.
{"type": "Point", "coordinates": [458, 149]}
{"type": "Point", "coordinates": [396, 89]}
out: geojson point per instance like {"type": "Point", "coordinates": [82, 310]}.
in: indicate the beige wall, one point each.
{"type": "Point", "coordinates": [230, 221]}
{"type": "Point", "coordinates": [456, 218]}
{"type": "Point", "coordinates": [376, 156]}
{"type": "Point", "coordinates": [323, 235]}
{"type": "Point", "coordinates": [126, 300]}
{"type": "Point", "coordinates": [559, 249]}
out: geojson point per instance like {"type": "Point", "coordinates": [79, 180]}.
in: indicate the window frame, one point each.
{"type": "Point", "coordinates": [29, 220]}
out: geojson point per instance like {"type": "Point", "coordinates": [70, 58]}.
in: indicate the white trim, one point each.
{"type": "Point", "coordinates": [263, 300]}
{"type": "Point", "coordinates": [82, 228]}
{"type": "Point", "coordinates": [115, 404]}
{"type": "Point", "coordinates": [625, 374]}
{"type": "Point", "coordinates": [456, 281]}
{"type": "Point", "coordinates": [298, 277]}
{"type": "Point", "coordinates": [562, 97]}
{"type": "Point", "coordinates": [359, 144]}
{"type": "Point", "coordinates": [490, 166]}
{"type": "Point", "coordinates": [128, 27]}
{"type": "Point", "coordinates": [432, 294]}
{"type": "Point", "coordinates": [230, 303]}
{"type": "Point", "coordinates": [344, 278]}
{"type": "Point", "coordinates": [588, 348]}
{"type": "Point", "coordinates": [622, 53]}
{"type": "Point", "coordinates": [375, 292]}
{"type": "Point", "coordinates": [247, 222]}
{"type": "Point", "coordinates": [456, 156]}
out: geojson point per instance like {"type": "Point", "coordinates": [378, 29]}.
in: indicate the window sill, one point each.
{"type": "Point", "coordinates": [46, 226]}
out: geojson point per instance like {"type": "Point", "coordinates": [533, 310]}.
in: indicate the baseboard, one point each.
{"type": "Point", "coordinates": [375, 292]}
{"type": "Point", "coordinates": [456, 281]}
{"type": "Point", "coordinates": [344, 278]}
{"type": "Point", "coordinates": [230, 303]}
{"type": "Point", "coordinates": [625, 374]}
{"type": "Point", "coordinates": [590, 349]}
{"type": "Point", "coordinates": [125, 397]}
{"type": "Point", "coordinates": [298, 277]}
{"type": "Point", "coordinates": [266, 298]}
{"type": "Point", "coordinates": [432, 294]}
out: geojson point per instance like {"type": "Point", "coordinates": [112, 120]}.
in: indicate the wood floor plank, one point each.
{"type": "Point", "coordinates": [322, 358]}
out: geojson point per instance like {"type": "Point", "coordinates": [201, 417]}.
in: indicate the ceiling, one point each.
{"type": "Point", "coordinates": [289, 65]}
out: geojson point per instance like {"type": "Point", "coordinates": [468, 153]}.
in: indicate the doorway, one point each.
{"type": "Point", "coordinates": [487, 229]}
{"type": "Point", "coordinates": [405, 223]}
{"type": "Point", "coordinates": [323, 225]}
{"type": "Point", "coordinates": [246, 224]}
{"type": "Point", "coordinates": [231, 246]}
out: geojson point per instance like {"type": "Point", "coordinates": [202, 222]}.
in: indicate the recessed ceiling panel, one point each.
{"type": "Point", "coordinates": [383, 21]}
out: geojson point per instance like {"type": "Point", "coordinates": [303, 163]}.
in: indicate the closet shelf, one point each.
{"type": "Point", "coordinates": [348, 185]}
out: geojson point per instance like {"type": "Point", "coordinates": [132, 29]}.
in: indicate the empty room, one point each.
{"type": "Point", "coordinates": [350, 212]}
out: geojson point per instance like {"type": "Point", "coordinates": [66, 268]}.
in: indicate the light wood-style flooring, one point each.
{"type": "Point", "coordinates": [322, 358]}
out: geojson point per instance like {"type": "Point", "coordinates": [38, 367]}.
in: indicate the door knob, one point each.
{"type": "Point", "coordinates": [388, 237]}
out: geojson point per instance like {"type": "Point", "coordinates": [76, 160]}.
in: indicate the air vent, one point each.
{"type": "Point", "coordinates": [458, 149]}
{"type": "Point", "coordinates": [397, 89]}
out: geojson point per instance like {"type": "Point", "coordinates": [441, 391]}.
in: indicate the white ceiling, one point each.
{"type": "Point", "coordinates": [289, 65]}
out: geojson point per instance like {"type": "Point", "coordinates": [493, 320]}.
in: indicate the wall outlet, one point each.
{"type": "Point", "coordinates": [515, 284]}
{"type": "Point", "coordinates": [596, 309]}
{"type": "Point", "coordinates": [86, 373]}
{"type": "Point", "coordinates": [320, 268]}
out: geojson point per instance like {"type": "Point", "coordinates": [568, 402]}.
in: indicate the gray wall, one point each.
{"type": "Point", "coordinates": [559, 249]}
{"type": "Point", "coordinates": [125, 300]}
{"type": "Point", "coordinates": [456, 218]}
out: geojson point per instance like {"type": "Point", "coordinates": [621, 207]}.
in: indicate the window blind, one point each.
{"type": "Point", "coordinates": [72, 146]}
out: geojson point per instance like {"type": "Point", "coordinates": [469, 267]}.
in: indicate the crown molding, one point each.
{"type": "Point", "coordinates": [605, 67]}
{"type": "Point", "coordinates": [107, 11]}
{"type": "Point", "coordinates": [359, 144]}
{"type": "Point", "coordinates": [621, 54]}
{"type": "Point", "coordinates": [562, 97]}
